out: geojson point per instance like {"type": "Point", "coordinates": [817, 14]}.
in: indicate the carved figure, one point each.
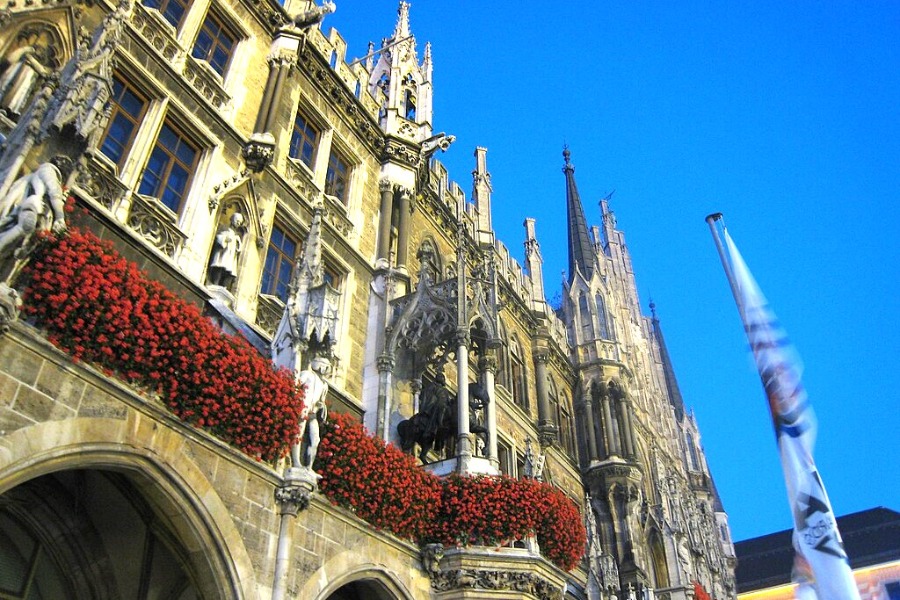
{"type": "Point", "coordinates": [34, 202]}
{"type": "Point", "coordinates": [19, 78]}
{"type": "Point", "coordinates": [226, 250]}
{"type": "Point", "coordinates": [433, 425]}
{"type": "Point", "coordinates": [315, 411]}
{"type": "Point", "coordinates": [314, 15]}
{"type": "Point", "coordinates": [478, 401]}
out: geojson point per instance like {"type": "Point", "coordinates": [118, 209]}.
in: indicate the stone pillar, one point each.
{"type": "Point", "coordinates": [265, 107]}
{"type": "Point", "coordinates": [464, 441]}
{"type": "Point", "coordinates": [546, 421]}
{"type": "Point", "coordinates": [631, 446]}
{"type": "Point", "coordinates": [612, 440]}
{"type": "Point", "coordinates": [384, 225]}
{"type": "Point", "coordinates": [403, 233]}
{"type": "Point", "coordinates": [292, 496]}
{"type": "Point", "coordinates": [385, 375]}
{"type": "Point", "coordinates": [592, 435]}
{"type": "Point", "coordinates": [488, 366]}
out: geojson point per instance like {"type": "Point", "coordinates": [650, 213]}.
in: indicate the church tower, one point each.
{"type": "Point", "coordinates": [655, 513]}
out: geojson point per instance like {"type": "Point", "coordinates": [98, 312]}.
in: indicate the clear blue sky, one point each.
{"type": "Point", "coordinates": [785, 116]}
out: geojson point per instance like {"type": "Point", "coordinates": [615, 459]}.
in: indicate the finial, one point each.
{"type": "Point", "coordinates": [652, 308]}
{"type": "Point", "coordinates": [566, 153]}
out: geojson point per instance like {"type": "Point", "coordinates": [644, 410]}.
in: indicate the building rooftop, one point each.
{"type": "Point", "coordinates": [870, 537]}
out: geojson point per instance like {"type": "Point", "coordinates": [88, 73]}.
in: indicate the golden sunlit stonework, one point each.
{"type": "Point", "coordinates": [234, 151]}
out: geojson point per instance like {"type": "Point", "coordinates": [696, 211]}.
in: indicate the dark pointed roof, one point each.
{"type": "Point", "coordinates": [581, 251]}
{"type": "Point", "coordinates": [675, 398]}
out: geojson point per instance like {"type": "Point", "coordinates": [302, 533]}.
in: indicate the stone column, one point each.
{"type": "Point", "coordinates": [488, 366]}
{"type": "Point", "coordinates": [403, 233]}
{"type": "Point", "coordinates": [546, 421]}
{"type": "Point", "coordinates": [265, 106]}
{"type": "Point", "coordinates": [627, 409]}
{"type": "Point", "coordinates": [592, 436]}
{"type": "Point", "coordinates": [292, 496]}
{"type": "Point", "coordinates": [385, 376]}
{"type": "Point", "coordinates": [463, 444]}
{"type": "Point", "coordinates": [384, 225]}
{"type": "Point", "coordinates": [612, 445]}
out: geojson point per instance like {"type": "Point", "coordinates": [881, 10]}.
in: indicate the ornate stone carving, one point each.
{"type": "Point", "coordinates": [152, 223]}
{"type": "Point", "coordinates": [308, 18]}
{"type": "Point", "coordinates": [206, 82]}
{"type": "Point", "coordinates": [10, 305]}
{"type": "Point", "coordinates": [268, 313]}
{"type": "Point", "coordinates": [431, 555]}
{"type": "Point", "coordinates": [482, 579]}
{"type": "Point", "coordinates": [401, 151]}
{"type": "Point", "coordinates": [259, 152]}
{"type": "Point", "coordinates": [293, 495]}
{"type": "Point", "coordinates": [157, 32]}
{"type": "Point", "coordinates": [97, 182]}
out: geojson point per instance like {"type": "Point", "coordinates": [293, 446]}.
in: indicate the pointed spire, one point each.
{"type": "Point", "coordinates": [581, 256]}
{"type": "Point", "coordinates": [674, 392]}
{"type": "Point", "coordinates": [401, 30]}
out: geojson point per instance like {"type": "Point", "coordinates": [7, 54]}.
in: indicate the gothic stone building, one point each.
{"type": "Point", "coordinates": [179, 115]}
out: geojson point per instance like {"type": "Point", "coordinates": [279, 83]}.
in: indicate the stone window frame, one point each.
{"type": "Point", "coordinates": [184, 138]}
{"type": "Point", "coordinates": [290, 233]}
{"type": "Point", "coordinates": [518, 374]}
{"type": "Point", "coordinates": [223, 26]}
{"type": "Point", "coordinates": [116, 111]}
{"type": "Point", "coordinates": [162, 9]}
{"type": "Point", "coordinates": [314, 123]}
{"type": "Point", "coordinates": [336, 153]}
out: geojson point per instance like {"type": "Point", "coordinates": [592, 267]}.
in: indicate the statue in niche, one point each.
{"type": "Point", "coordinates": [478, 401]}
{"type": "Point", "coordinates": [35, 202]}
{"type": "Point", "coordinates": [226, 250]}
{"type": "Point", "coordinates": [22, 73]}
{"type": "Point", "coordinates": [315, 412]}
{"type": "Point", "coordinates": [433, 425]}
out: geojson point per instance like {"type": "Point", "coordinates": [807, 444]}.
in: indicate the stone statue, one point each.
{"type": "Point", "coordinates": [226, 249]}
{"type": "Point", "coordinates": [314, 15]}
{"type": "Point", "coordinates": [34, 202]}
{"type": "Point", "coordinates": [433, 425]}
{"type": "Point", "coordinates": [314, 412]}
{"type": "Point", "coordinates": [19, 78]}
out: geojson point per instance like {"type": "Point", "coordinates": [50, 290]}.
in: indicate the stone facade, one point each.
{"type": "Point", "coordinates": [179, 115]}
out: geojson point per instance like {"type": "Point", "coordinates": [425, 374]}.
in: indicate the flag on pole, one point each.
{"type": "Point", "coordinates": [821, 568]}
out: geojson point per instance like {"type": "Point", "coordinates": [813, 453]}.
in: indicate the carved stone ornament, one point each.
{"type": "Point", "coordinates": [10, 305]}
{"type": "Point", "coordinates": [431, 555]}
{"type": "Point", "coordinates": [292, 498]}
{"type": "Point", "coordinates": [259, 152]}
{"type": "Point", "coordinates": [479, 579]}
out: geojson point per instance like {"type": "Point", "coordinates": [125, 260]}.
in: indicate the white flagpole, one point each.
{"type": "Point", "coordinates": [817, 540]}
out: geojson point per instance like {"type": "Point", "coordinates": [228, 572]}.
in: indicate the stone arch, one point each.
{"type": "Point", "coordinates": [357, 580]}
{"type": "Point", "coordinates": [153, 459]}
{"type": "Point", "coordinates": [657, 561]}
{"type": "Point", "coordinates": [37, 49]}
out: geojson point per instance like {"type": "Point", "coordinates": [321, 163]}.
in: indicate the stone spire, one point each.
{"type": "Point", "coordinates": [401, 29]}
{"type": "Point", "coordinates": [581, 256]}
{"type": "Point", "coordinates": [672, 389]}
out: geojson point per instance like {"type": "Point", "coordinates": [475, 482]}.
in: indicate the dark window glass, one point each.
{"type": "Point", "coordinates": [279, 265]}
{"type": "Point", "coordinates": [172, 10]}
{"type": "Point", "coordinates": [337, 177]}
{"type": "Point", "coordinates": [214, 44]}
{"type": "Point", "coordinates": [168, 172]}
{"type": "Point", "coordinates": [303, 141]}
{"type": "Point", "coordinates": [127, 110]}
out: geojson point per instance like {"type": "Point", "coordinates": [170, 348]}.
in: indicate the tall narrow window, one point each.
{"type": "Point", "coordinates": [172, 10]}
{"type": "Point", "coordinates": [126, 112]}
{"type": "Point", "coordinates": [337, 178]}
{"type": "Point", "coordinates": [601, 318]}
{"type": "Point", "coordinates": [304, 140]}
{"type": "Point", "coordinates": [279, 266]}
{"type": "Point", "coordinates": [587, 322]}
{"type": "Point", "coordinates": [566, 433]}
{"type": "Point", "coordinates": [518, 384]}
{"type": "Point", "coordinates": [215, 44]}
{"type": "Point", "coordinates": [169, 170]}
{"type": "Point", "coordinates": [410, 105]}
{"type": "Point", "coordinates": [692, 452]}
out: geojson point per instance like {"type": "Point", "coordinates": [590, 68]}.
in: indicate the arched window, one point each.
{"type": "Point", "coordinates": [410, 103]}
{"type": "Point", "coordinates": [503, 377]}
{"type": "Point", "coordinates": [553, 398]}
{"type": "Point", "coordinates": [601, 318]}
{"type": "Point", "coordinates": [518, 383]}
{"type": "Point", "coordinates": [692, 452]}
{"type": "Point", "coordinates": [584, 316]}
{"type": "Point", "coordinates": [564, 420]}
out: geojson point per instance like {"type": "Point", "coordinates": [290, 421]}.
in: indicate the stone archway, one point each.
{"type": "Point", "coordinates": [364, 589]}
{"type": "Point", "coordinates": [155, 482]}
{"type": "Point", "coordinates": [91, 533]}
{"type": "Point", "coordinates": [367, 583]}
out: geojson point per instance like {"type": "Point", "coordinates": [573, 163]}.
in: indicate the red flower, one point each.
{"type": "Point", "coordinates": [103, 310]}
